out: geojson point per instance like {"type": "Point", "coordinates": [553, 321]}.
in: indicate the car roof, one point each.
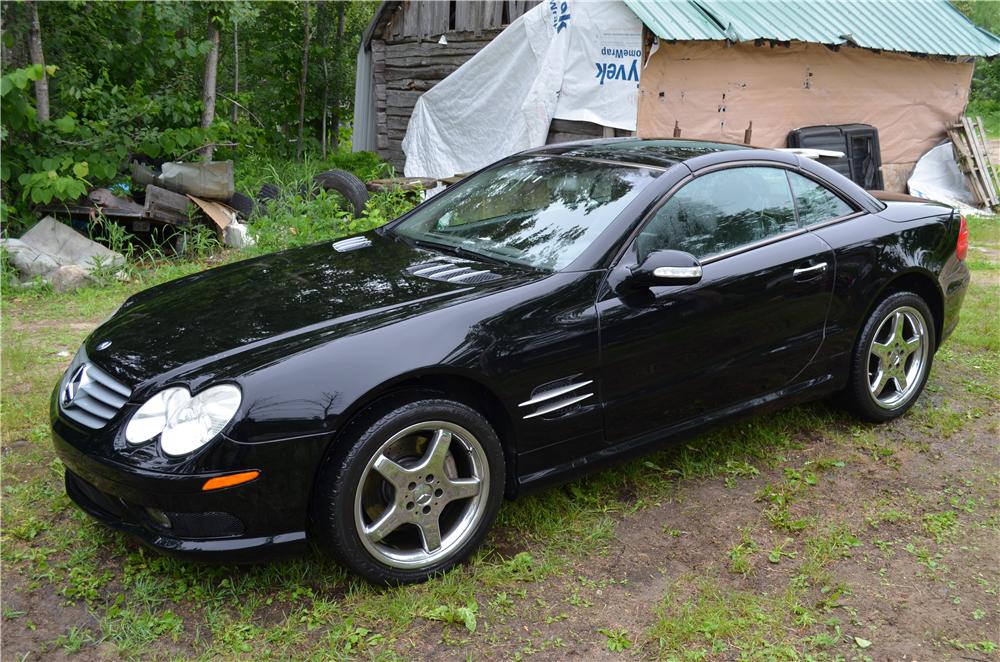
{"type": "Point", "coordinates": [659, 153]}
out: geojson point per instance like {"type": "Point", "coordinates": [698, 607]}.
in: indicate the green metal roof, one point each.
{"type": "Point", "coordinates": [932, 27]}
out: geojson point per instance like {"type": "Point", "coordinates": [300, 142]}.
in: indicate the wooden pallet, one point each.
{"type": "Point", "coordinates": [969, 141]}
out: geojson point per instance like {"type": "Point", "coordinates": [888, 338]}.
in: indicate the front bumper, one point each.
{"type": "Point", "coordinates": [250, 522]}
{"type": "Point", "coordinates": [139, 523]}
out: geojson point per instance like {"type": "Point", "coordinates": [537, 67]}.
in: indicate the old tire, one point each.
{"type": "Point", "coordinates": [267, 193]}
{"type": "Point", "coordinates": [892, 358]}
{"type": "Point", "coordinates": [410, 490]}
{"type": "Point", "coordinates": [348, 185]}
{"type": "Point", "coordinates": [243, 204]}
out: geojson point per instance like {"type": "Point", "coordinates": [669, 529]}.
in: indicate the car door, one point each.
{"type": "Point", "coordinates": [676, 354]}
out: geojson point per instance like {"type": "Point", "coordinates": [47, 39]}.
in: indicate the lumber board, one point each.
{"type": "Point", "coordinates": [965, 162]}
{"type": "Point", "coordinates": [991, 168]}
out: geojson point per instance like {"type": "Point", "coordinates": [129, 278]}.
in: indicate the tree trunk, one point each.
{"type": "Point", "coordinates": [323, 21]}
{"type": "Point", "coordinates": [236, 71]}
{"type": "Point", "coordinates": [208, 88]}
{"type": "Point", "coordinates": [341, 11]}
{"type": "Point", "coordinates": [38, 57]}
{"type": "Point", "coordinates": [302, 82]}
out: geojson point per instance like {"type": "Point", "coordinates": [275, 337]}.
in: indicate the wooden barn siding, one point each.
{"type": "Point", "coordinates": [408, 61]}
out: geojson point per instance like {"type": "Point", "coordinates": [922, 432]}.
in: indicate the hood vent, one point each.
{"type": "Point", "coordinates": [352, 244]}
{"type": "Point", "coordinates": [452, 273]}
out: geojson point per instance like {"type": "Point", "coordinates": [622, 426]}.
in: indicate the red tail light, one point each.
{"type": "Point", "coordinates": [962, 245]}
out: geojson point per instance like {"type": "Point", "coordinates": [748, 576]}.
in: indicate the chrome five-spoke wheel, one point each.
{"type": "Point", "coordinates": [422, 494]}
{"type": "Point", "coordinates": [897, 357]}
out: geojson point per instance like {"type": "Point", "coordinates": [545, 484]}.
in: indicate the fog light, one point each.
{"type": "Point", "coordinates": [159, 517]}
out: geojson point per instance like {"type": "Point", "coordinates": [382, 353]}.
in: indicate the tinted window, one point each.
{"type": "Point", "coordinates": [816, 203]}
{"type": "Point", "coordinates": [540, 211]}
{"type": "Point", "coordinates": [721, 211]}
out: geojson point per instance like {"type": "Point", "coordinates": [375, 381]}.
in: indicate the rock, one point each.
{"type": "Point", "coordinates": [69, 278]}
{"type": "Point", "coordinates": [65, 246]}
{"type": "Point", "coordinates": [27, 260]}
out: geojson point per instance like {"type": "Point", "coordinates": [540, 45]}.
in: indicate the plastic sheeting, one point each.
{"type": "Point", "coordinates": [563, 59]}
{"type": "Point", "coordinates": [937, 177]}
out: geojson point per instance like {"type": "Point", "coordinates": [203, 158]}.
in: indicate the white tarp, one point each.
{"type": "Point", "coordinates": [937, 177]}
{"type": "Point", "coordinates": [563, 59]}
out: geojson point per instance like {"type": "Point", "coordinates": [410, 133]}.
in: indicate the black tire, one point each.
{"type": "Point", "coordinates": [892, 354]}
{"type": "Point", "coordinates": [349, 483]}
{"type": "Point", "coordinates": [243, 204]}
{"type": "Point", "coordinates": [267, 193]}
{"type": "Point", "coordinates": [348, 185]}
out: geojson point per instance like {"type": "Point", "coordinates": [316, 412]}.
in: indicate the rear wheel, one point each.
{"type": "Point", "coordinates": [411, 494]}
{"type": "Point", "coordinates": [893, 357]}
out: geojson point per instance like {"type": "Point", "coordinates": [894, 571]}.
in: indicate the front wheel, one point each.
{"type": "Point", "coordinates": [411, 494]}
{"type": "Point", "coordinates": [893, 357]}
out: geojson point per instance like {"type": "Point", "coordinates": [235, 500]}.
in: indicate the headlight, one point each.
{"type": "Point", "coordinates": [184, 422]}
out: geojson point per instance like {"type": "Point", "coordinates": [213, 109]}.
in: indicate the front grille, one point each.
{"type": "Point", "coordinates": [91, 396]}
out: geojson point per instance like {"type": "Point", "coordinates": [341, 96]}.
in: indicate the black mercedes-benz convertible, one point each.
{"type": "Point", "coordinates": [561, 309]}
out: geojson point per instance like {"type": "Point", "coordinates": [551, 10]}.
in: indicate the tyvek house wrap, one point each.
{"type": "Point", "coordinates": [565, 60]}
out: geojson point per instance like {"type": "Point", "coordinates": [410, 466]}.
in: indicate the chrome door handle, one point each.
{"type": "Point", "coordinates": [806, 271]}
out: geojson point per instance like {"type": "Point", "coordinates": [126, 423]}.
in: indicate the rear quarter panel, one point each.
{"type": "Point", "coordinates": [873, 251]}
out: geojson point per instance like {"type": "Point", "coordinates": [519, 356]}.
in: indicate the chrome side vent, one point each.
{"type": "Point", "coordinates": [552, 399]}
{"type": "Point", "coordinates": [91, 397]}
{"type": "Point", "coordinates": [352, 244]}
{"type": "Point", "coordinates": [451, 272]}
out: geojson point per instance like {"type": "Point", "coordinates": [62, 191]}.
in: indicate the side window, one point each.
{"type": "Point", "coordinates": [721, 211]}
{"type": "Point", "coordinates": [816, 203]}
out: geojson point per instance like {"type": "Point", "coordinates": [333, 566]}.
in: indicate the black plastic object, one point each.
{"type": "Point", "coordinates": [862, 160]}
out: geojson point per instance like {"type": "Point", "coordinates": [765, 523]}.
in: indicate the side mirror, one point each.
{"type": "Point", "coordinates": [666, 268]}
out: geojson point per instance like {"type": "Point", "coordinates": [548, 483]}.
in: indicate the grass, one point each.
{"type": "Point", "coordinates": [786, 536]}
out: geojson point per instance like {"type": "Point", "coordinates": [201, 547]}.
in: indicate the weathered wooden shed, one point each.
{"type": "Point", "coordinates": [412, 45]}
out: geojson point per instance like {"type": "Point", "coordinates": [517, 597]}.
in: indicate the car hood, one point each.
{"type": "Point", "coordinates": [247, 308]}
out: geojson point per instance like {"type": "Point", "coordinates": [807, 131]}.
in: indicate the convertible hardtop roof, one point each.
{"type": "Point", "coordinates": [659, 153]}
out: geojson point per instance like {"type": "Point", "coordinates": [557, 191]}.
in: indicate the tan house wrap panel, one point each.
{"type": "Point", "coordinates": [714, 91]}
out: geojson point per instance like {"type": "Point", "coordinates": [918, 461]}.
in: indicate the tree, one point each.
{"type": "Point", "coordinates": [303, 80]}
{"type": "Point", "coordinates": [38, 58]}
{"type": "Point", "coordinates": [208, 86]}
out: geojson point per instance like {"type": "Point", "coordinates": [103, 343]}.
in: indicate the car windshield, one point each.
{"type": "Point", "coordinates": [541, 212]}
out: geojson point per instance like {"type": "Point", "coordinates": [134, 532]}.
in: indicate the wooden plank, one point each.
{"type": "Point", "coordinates": [434, 19]}
{"type": "Point", "coordinates": [982, 172]}
{"type": "Point", "coordinates": [411, 19]}
{"type": "Point", "coordinates": [492, 13]}
{"type": "Point", "coordinates": [424, 48]}
{"type": "Point", "coordinates": [991, 168]}
{"type": "Point", "coordinates": [438, 73]}
{"type": "Point", "coordinates": [417, 61]}
{"type": "Point", "coordinates": [454, 37]}
{"type": "Point", "coordinates": [965, 162]}
{"type": "Point", "coordinates": [468, 17]}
